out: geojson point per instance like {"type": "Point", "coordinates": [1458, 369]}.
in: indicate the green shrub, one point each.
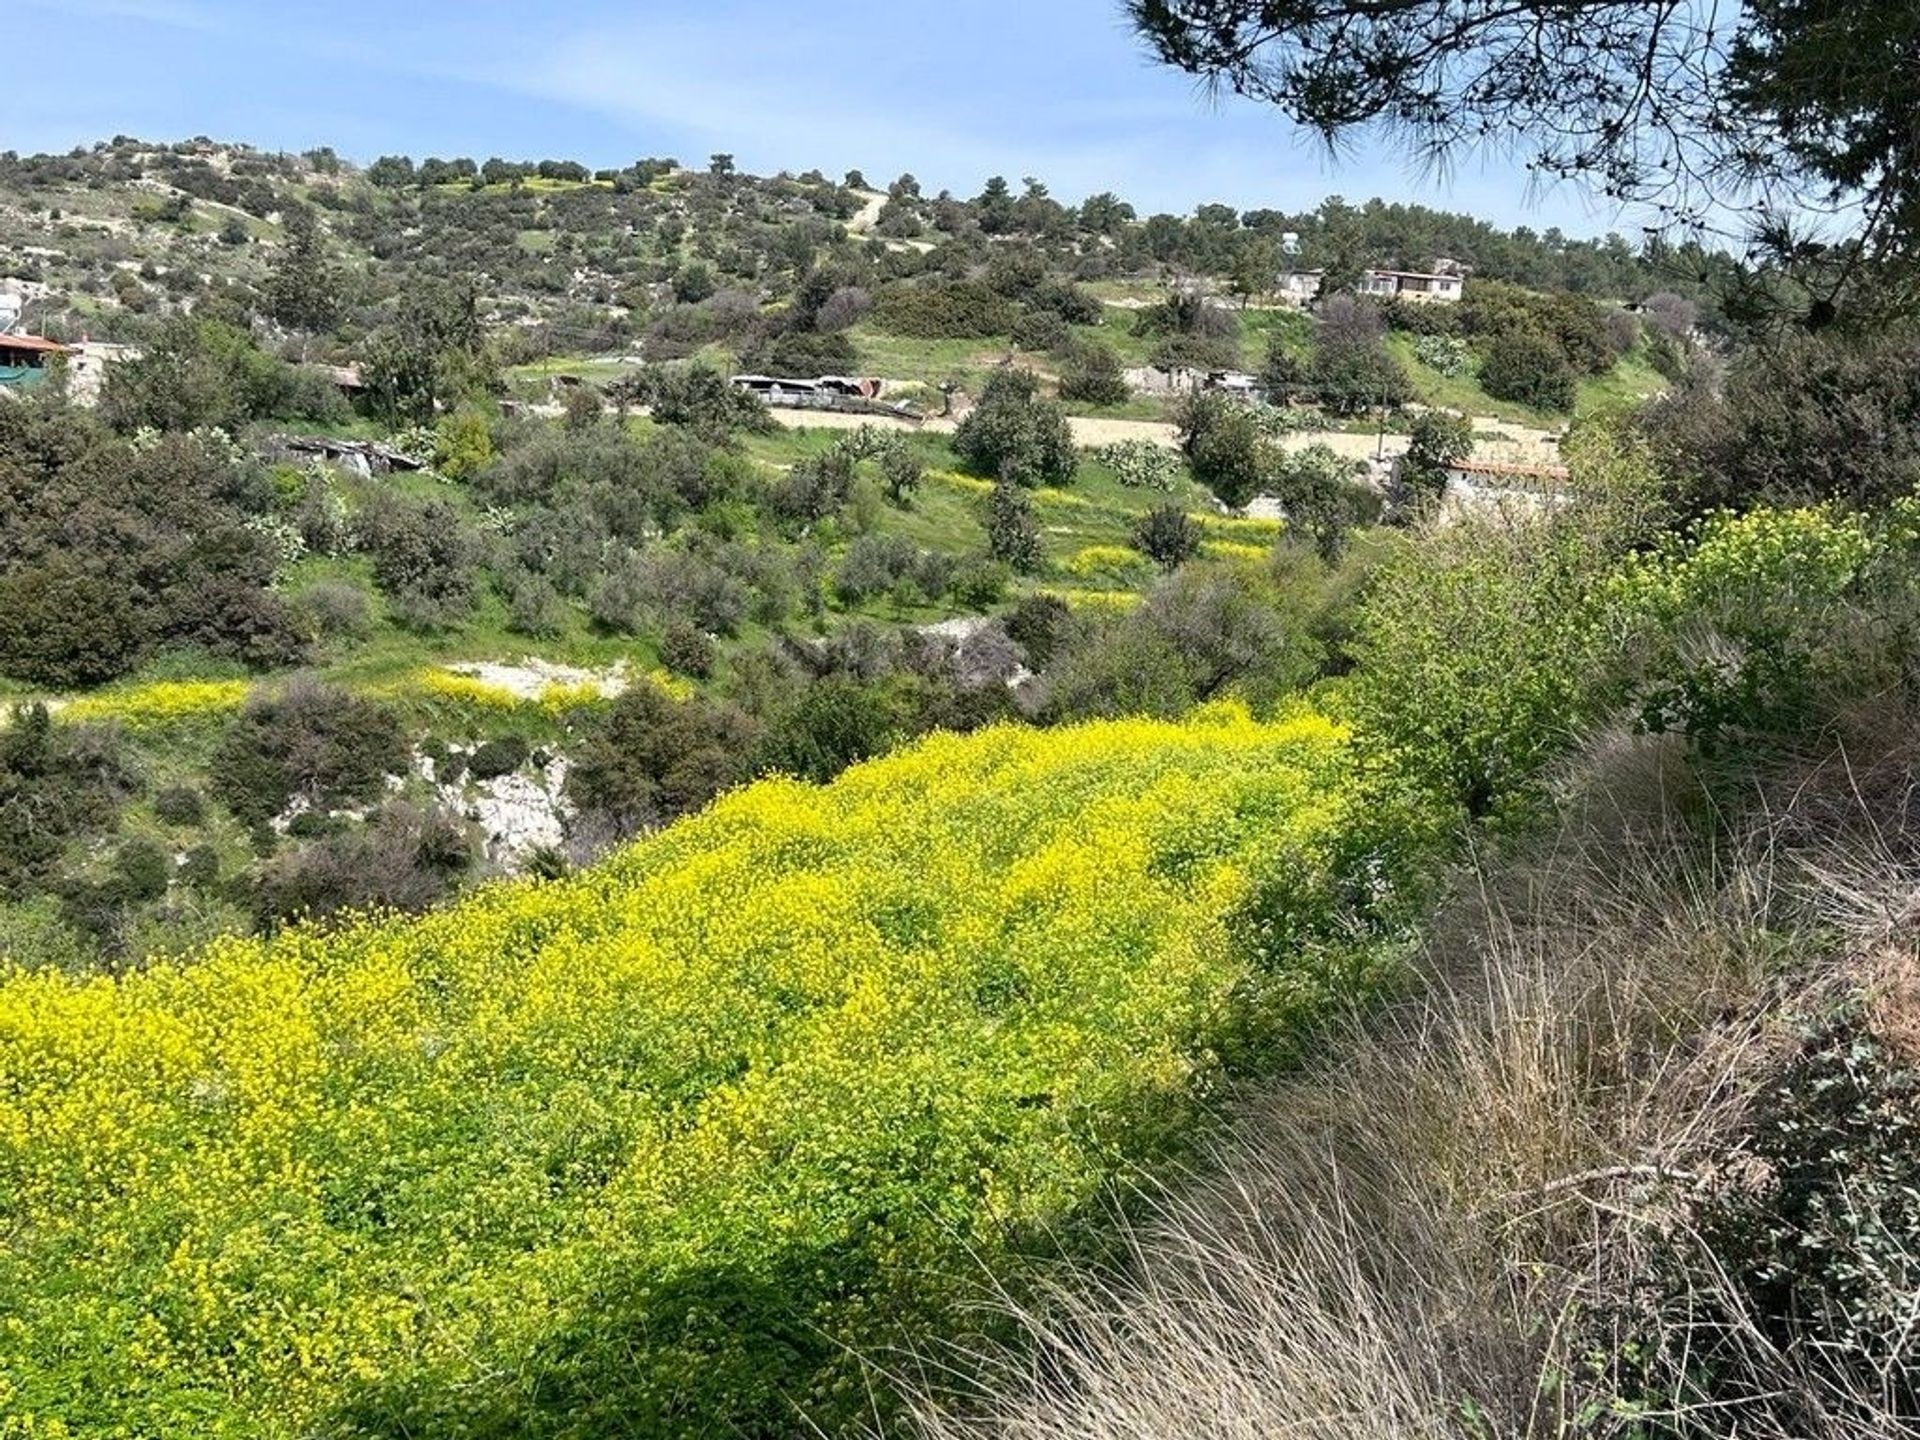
{"type": "Point", "coordinates": [696, 398]}
{"type": "Point", "coordinates": [1786, 428]}
{"type": "Point", "coordinates": [64, 627]}
{"type": "Point", "coordinates": [873, 565]}
{"type": "Point", "coordinates": [960, 310]}
{"type": "Point", "coordinates": [1481, 652]}
{"type": "Point", "coordinates": [813, 489]}
{"type": "Point", "coordinates": [1016, 436]}
{"type": "Point", "coordinates": [1040, 331]}
{"type": "Point", "coordinates": [336, 609]}
{"type": "Point", "coordinates": [1116, 669]}
{"type": "Point", "coordinates": [142, 870]}
{"type": "Point", "coordinates": [1193, 332]}
{"type": "Point", "coordinates": [534, 607]}
{"type": "Point", "coordinates": [802, 354]}
{"type": "Point", "coordinates": [1224, 444]}
{"type": "Point", "coordinates": [463, 444]}
{"type": "Point", "coordinates": [404, 859]}
{"type": "Point", "coordinates": [979, 583]}
{"type": "Point", "coordinates": [1743, 625]}
{"type": "Point", "coordinates": [311, 741]}
{"type": "Point", "coordinates": [425, 558]}
{"type": "Point", "coordinates": [654, 758]}
{"type": "Point", "coordinates": [200, 868]}
{"type": "Point", "coordinates": [686, 649]}
{"type": "Point", "coordinates": [500, 756]}
{"type": "Point", "coordinates": [901, 471]}
{"type": "Point", "coordinates": [179, 805]}
{"type": "Point", "coordinates": [57, 784]}
{"type": "Point", "coordinates": [1091, 374]}
{"type": "Point", "coordinates": [1529, 369]}
{"type": "Point", "coordinates": [199, 373]}
{"type": "Point", "coordinates": [835, 723]}
{"type": "Point", "coordinates": [35, 935]}
{"type": "Point", "coordinates": [1168, 536]}
{"type": "Point", "coordinates": [1039, 624]}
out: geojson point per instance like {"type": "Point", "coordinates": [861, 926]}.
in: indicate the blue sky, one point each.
{"type": "Point", "coordinates": [952, 91]}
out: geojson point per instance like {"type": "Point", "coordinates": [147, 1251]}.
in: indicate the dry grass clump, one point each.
{"type": "Point", "coordinates": [1535, 1201]}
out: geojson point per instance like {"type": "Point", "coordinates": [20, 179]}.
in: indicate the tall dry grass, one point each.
{"type": "Point", "coordinates": [1466, 1220]}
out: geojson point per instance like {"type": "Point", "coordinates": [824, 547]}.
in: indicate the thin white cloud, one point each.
{"type": "Point", "coordinates": [781, 100]}
{"type": "Point", "coordinates": [176, 14]}
{"type": "Point", "coordinates": [1077, 105]}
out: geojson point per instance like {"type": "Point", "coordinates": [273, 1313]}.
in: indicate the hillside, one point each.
{"type": "Point", "coordinates": [591, 537]}
{"type": "Point", "coordinates": [571, 269]}
{"type": "Point", "coordinates": [645, 1151]}
{"type": "Point", "coordinates": [1222, 868]}
{"type": "Point", "coordinates": [707, 1136]}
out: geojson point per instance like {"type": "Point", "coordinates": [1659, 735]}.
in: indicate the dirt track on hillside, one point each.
{"type": "Point", "coordinates": [1493, 440]}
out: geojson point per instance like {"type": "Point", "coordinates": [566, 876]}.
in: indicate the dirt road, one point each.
{"type": "Point", "coordinates": [1492, 440]}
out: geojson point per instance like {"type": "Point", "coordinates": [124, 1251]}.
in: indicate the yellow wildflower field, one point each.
{"type": "Point", "coordinates": [658, 1149]}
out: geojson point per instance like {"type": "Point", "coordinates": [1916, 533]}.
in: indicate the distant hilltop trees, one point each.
{"type": "Point", "coordinates": [398, 172]}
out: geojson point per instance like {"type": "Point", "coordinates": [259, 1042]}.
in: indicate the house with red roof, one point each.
{"type": "Point", "coordinates": [24, 358]}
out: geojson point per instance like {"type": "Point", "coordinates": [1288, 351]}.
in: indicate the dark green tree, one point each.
{"type": "Point", "coordinates": [303, 292]}
{"type": "Point", "coordinates": [1168, 536]}
{"type": "Point", "coordinates": [1788, 427]}
{"type": "Point", "coordinates": [1528, 368]}
{"type": "Point", "coordinates": [1439, 440]}
{"type": "Point", "coordinates": [1349, 379]}
{"type": "Point", "coordinates": [900, 468]}
{"type": "Point", "coordinates": [1222, 441]}
{"type": "Point", "coordinates": [1323, 498]}
{"type": "Point", "coordinates": [197, 372]}
{"type": "Point", "coordinates": [1282, 376]}
{"type": "Point", "coordinates": [1013, 535]}
{"type": "Point", "coordinates": [1015, 435]}
{"type": "Point", "coordinates": [391, 172]}
{"type": "Point", "coordinates": [402, 374]}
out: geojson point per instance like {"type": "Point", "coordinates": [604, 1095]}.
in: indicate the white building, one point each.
{"type": "Point", "coordinates": [1300, 288]}
{"type": "Point", "coordinates": [1419, 286]}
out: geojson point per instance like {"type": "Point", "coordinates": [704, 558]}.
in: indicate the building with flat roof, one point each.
{"type": "Point", "coordinates": [1419, 286]}
{"type": "Point", "coordinates": [1422, 287]}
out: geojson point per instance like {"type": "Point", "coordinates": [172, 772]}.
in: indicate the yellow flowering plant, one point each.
{"type": "Point", "coordinates": [155, 706]}
{"type": "Point", "coordinates": [659, 1148]}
